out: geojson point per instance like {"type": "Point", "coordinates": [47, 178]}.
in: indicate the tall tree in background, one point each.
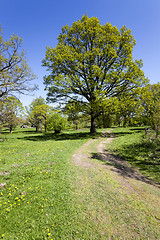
{"type": "Point", "coordinates": [92, 62]}
{"type": "Point", "coordinates": [15, 75]}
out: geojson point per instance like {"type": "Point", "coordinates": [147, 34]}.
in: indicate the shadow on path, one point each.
{"type": "Point", "coordinates": [122, 167]}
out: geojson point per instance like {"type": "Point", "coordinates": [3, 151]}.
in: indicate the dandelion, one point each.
{"type": "Point", "coordinates": [48, 234]}
{"type": "Point", "coordinates": [2, 235]}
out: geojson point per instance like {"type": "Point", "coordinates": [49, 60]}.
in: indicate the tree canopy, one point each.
{"type": "Point", "coordinates": [92, 62]}
{"type": "Point", "coordinates": [15, 75]}
{"type": "Point", "coordinates": [10, 108]}
{"type": "Point", "coordinates": [150, 99]}
{"type": "Point", "coordinates": [38, 112]}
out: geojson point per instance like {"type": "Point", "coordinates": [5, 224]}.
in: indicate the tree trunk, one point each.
{"type": "Point", "coordinates": [10, 128]}
{"type": "Point", "coordinates": [93, 125]}
{"type": "Point", "coordinates": [45, 125]}
{"type": "Point", "coordinates": [36, 129]}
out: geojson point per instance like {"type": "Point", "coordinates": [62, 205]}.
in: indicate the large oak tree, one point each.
{"type": "Point", "coordinates": [90, 63]}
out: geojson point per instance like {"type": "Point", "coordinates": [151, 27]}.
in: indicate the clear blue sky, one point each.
{"type": "Point", "coordinates": [39, 23]}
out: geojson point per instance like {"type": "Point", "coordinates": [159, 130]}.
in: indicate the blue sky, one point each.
{"type": "Point", "coordinates": [39, 23]}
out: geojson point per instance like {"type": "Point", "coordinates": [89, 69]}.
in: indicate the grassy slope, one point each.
{"type": "Point", "coordinates": [47, 197]}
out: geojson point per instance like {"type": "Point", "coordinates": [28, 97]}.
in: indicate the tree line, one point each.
{"type": "Point", "coordinates": [92, 75]}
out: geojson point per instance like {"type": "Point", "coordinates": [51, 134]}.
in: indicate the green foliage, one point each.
{"type": "Point", "coordinates": [91, 62]}
{"type": "Point", "coordinates": [38, 113]}
{"type": "Point", "coordinates": [74, 111]}
{"type": "Point", "coordinates": [151, 103]}
{"type": "Point", "coordinates": [10, 108]}
{"type": "Point", "coordinates": [37, 102]}
{"type": "Point", "coordinates": [56, 123]}
{"type": "Point", "coordinates": [15, 75]}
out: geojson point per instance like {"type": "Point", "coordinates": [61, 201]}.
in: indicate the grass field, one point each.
{"type": "Point", "coordinates": [37, 200]}
{"type": "Point", "coordinates": [47, 197]}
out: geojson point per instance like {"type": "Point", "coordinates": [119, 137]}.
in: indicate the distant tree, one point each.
{"type": "Point", "coordinates": [108, 109]}
{"type": "Point", "coordinates": [151, 104]}
{"type": "Point", "coordinates": [92, 62]}
{"type": "Point", "coordinates": [38, 112]}
{"type": "Point", "coordinates": [37, 102]}
{"type": "Point", "coordinates": [129, 107]}
{"type": "Point", "coordinates": [15, 75]}
{"type": "Point", "coordinates": [10, 108]}
{"type": "Point", "coordinates": [74, 110]}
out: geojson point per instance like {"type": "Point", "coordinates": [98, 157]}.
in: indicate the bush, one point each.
{"type": "Point", "coordinates": [56, 123]}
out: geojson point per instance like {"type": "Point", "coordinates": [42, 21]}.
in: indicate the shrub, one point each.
{"type": "Point", "coordinates": [56, 123]}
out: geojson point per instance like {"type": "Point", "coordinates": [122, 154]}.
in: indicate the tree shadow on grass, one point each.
{"type": "Point", "coordinates": [61, 136]}
{"type": "Point", "coordinates": [130, 131]}
{"type": "Point", "coordinates": [121, 164]}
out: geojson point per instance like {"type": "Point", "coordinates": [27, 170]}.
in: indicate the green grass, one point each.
{"type": "Point", "coordinates": [47, 197]}
{"type": "Point", "coordinates": [37, 202]}
{"type": "Point", "coordinates": [141, 151]}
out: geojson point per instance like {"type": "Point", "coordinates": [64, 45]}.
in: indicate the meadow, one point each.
{"type": "Point", "coordinates": [37, 197]}
{"type": "Point", "coordinates": [44, 196]}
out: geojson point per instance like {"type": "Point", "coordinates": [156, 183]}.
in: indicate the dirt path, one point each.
{"type": "Point", "coordinates": [117, 201]}
{"type": "Point", "coordinates": [122, 171]}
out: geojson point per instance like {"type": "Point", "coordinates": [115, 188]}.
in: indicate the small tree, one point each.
{"type": "Point", "coordinates": [38, 112]}
{"type": "Point", "coordinates": [10, 109]}
{"type": "Point", "coordinates": [56, 123]}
